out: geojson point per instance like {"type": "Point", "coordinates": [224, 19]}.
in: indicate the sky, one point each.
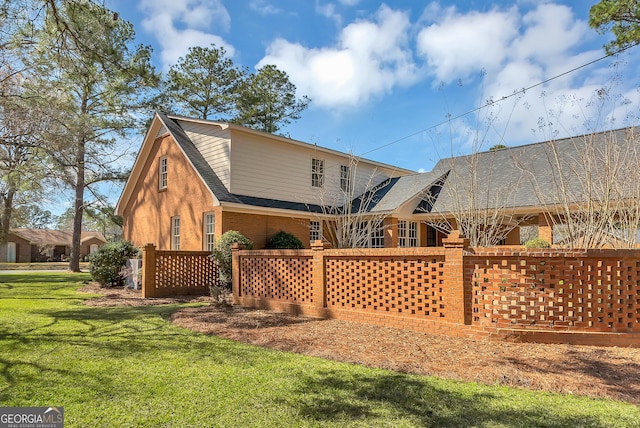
{"type": "Point", "coordinates": [408, 82]}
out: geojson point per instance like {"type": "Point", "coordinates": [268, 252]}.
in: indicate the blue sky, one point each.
{"type": "Point", "coordinates": [384, 77]}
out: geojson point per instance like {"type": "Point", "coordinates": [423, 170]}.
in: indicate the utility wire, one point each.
{"type": "Point", "coordinates": [491, 102]}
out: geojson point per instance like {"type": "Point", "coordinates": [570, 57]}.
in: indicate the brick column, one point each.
{"type": "Point", "coordinates": [390, 225]}
{"type": "Point", "coordinates": [235, 272]}
{"type": "Point", "coordinates": [148, 270]}
{"type": "Point", "coordinates": [513, 237]}
{"type": "Point", "coordinates": [319, 285]}
{"type": "Point", "coordinates": [545, 228]}
{"type": "Point", "coordinates": [454, 289]}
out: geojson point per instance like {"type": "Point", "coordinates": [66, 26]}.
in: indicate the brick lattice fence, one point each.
{"type": "Point", "coordinates": [592, 291]}
{"type": "Point", "coordinates": [587, 297]}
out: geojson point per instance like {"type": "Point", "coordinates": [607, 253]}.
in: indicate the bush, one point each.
{"type": "Point", "coordinates": [107, 263]}
{"type": "Point", "coordinates": [285, 241]}
{"type": "Point", "coordinates": [222, 252]}
{"type": "Point", "coordinates": [537, 243]}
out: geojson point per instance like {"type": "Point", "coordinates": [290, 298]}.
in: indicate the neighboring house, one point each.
{"type": "Point", "coordinates": [195, 179]}
{"type": "Point", "coordinates": [39, 245]}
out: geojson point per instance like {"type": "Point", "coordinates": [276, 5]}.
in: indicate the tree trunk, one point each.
{"type": "Point", "coordinates": [74, 262]}
{"type": "Point", "coordinates": [7, 210]}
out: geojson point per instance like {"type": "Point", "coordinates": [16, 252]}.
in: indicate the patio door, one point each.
{"type": "Point", "coordinates": [11, 252]}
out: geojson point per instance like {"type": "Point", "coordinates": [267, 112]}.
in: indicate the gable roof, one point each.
{"type": "Point", "coordinates": [397, 191]}
{"type": "Point", "coordinates": [54, 237]}
{"type": "Point", "coordinates": [525, 176]}
{"type": "Point", "coordinates": [171, 123]}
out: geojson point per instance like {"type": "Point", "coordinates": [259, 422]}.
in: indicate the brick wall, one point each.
{"type": "Point", "coordinates": [588, 297]}
{"type": "Point", "coordinates": [592, 291]}
{"type": "Point", "coordinates": [260, 228]}
{"type": "Point", "coordinates": [147, 215]}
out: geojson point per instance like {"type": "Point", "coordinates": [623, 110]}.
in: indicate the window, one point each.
{"type": "Point", "coordinates": [317, 172]}
{"type": "Point", "coordinates": [432, 237]}
{"type": "Point", "coordinates": [407, 233]}
{"type": "Point", "coordinates": [175, 233]}
{"type": "Point", "coordinates": [315, 231]}
{"type": "Point", "coordinates": [402, 233]}
{"type": "Point", "coordinates": [345, 178]}
{"type": "Point", "coordinates": [162, 170]}
{"type": "Point", "coordinates": [376, 235]}
{"type": "Point", "coordinates": [209, 232]}
{"type": "Point", "coordinates": [93, 248]}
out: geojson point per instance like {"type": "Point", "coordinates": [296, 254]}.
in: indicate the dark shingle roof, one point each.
{"type": "Point", "coordinates": [214, 183]}
{"type": "Point", "coordinates": [54, 237]}
{"type": "Point", "coordinates": [400, 190]}
{"type": "Point", "coordinates": [525, 176]}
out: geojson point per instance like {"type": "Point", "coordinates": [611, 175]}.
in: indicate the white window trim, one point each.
{"type": "Point", "coordinates": [175, 233]}
{"type": "Point", "coordinates": [209, 236]}
{"type": "Point", "coordinates": [163, 164]}
{"type": "Point", "coordinates": [315, 231]}
{"type": "Point", "coordinates": [345, 178]}
{"type": "Point", "coordinates": [317, 173]}
{"type": "Point", "coordinates": [408, 234]}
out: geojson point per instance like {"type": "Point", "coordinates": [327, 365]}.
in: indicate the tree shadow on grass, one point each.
{"type": "Point", "coordinates": [332, 397]}
{"type": "Point", "coordinates": [41, 286]}
{"type": "Point", "coordinates": [107, 333]}
{"type": "Point", "coordinates": [620, 376]}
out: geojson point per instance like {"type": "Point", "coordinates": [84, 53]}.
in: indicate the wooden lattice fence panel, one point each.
{"type": "Point", "coordinates": [185, 272]}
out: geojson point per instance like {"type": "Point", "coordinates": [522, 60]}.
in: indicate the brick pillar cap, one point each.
{"type": "Point", "coordinates": [455, 239]}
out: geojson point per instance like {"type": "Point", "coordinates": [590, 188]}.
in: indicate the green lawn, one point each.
{"type": "Point", "coordinates": [118, 367]}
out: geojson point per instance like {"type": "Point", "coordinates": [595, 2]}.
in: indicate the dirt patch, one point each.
{"type": "Point", "coordinates": [584, 370]}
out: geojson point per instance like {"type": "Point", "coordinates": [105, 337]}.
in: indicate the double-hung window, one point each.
{"type": "Point", "coordinates": [407, 233]}
{"type": "Point", "coordinates": [345, 178]}
{"type": "Point", "coordinates": [209, 231]}
{"type": "Point", "coordinates": [162, 173]}
{"type": "Point", "coordinates": [315, 231]}
{"type": "Point", "coordinates": [376, 234]}
{"type": "Point", "coordinates": [175, 233]}
{"type": "Point", "coordinates": [317, 172]}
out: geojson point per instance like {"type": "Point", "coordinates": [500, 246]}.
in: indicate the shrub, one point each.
{"type": "Point", "coordinates": [222, 252]}
{"type": "Point", "coordinates": [537, 243]}
{"type": "Point", "coordinates": [285, 241]}
{"type": "Point", "coordinates": [107, 263]}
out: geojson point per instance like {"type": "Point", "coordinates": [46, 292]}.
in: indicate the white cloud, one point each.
{"type": "Point", "coordinates": [181, 24]}
{"type": "Point", "coordinates": [550, 31]}
{"type": "Point", "coordinates": [329, 11]}
{"type": "Point", "coordinates": [515, 50]}
{"type": "Point", "coordinates": [263, 7]}
{"type": "Point", "coordinates": [369, 59]}
{"type": "Point", "coordinates": [349, 2]}
{"type": "Point", "coordinates": [459, 45]}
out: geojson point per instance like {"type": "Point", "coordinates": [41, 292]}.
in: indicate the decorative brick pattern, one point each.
{"type": "Point", "coordinates": [552, 296]}
{"type": "Point", "coordinates": [278, 277]}
{"type": "Point", "coordinates": [592, 291]}
{"type": "Point", "coordinates": [174, 273]}
{"type": "Point", "coordinates": [410, 286]}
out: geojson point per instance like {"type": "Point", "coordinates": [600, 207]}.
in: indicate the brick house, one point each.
{"type": "Point", "coordinates": [194, 179]}
{"type": "Point", "coordinates": [39, 245]}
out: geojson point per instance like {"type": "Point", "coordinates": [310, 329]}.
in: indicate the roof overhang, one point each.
{"type": "Point", "coordinates": [136, 171]}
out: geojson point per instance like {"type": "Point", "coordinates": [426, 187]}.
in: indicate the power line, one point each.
{"type": "Point", "coordinates": [491, 103]}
